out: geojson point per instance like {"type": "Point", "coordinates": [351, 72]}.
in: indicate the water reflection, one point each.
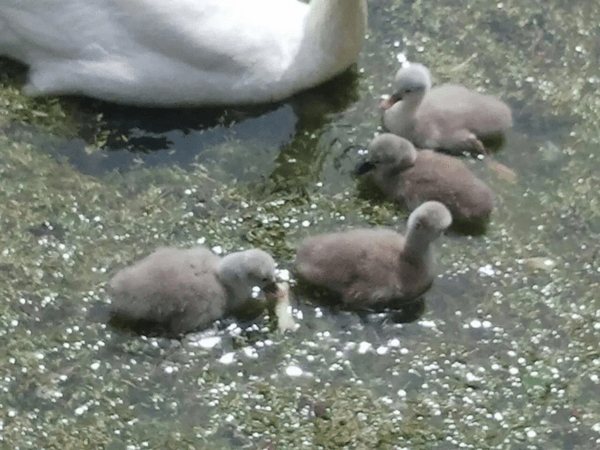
{"type": "Point", "coordinates": [157, 136]}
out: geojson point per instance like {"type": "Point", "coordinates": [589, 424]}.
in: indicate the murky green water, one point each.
{"type": "Point", "coordinates": [506, 355]}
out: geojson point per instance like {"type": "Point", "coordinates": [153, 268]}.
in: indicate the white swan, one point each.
{"type": "Point", "coordinates": [181, 52]}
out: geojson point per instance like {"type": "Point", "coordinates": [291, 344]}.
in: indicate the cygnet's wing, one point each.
{"type": "Point", "coordinates": [176, 287]}
{"type": "Point", "coordinates": [361, 265]}
{"type": "Point", "coordinates": [457, 117]}
{"type": "Point", "coordinates": [449, 181]}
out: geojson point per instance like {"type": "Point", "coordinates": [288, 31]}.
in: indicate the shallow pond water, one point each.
{"type": "Point", "coordinates": [506, 354]}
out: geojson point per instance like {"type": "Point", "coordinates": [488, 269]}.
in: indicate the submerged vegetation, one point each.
{"type": "Point", "coordinates": [506, 355]}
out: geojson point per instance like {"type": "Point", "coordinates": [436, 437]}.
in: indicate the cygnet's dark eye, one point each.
{"type": "Point", "coordinates": [408, 90]}
{"type": "Point", "coordinates": [265, 279]}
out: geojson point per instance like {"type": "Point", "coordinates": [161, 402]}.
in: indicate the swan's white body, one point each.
{"type": "Point", "coordinates": [181, 52]}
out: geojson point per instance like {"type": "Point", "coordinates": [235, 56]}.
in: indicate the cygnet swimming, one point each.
{"type": "Point", "coordinates": [449, 117]}
{"type": "Point", "coordinates": [413, 177]}
{"type": "Point", "coordinates": [183, 290]}
{"type": "Point", "coordinates": [377, 267]}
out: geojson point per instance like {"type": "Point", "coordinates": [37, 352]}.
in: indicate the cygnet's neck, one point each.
{"type": "Point", "coordinates": [334, 32]}
{"type": "Point", "coordinates": [401, 117]}
{"type": "Point", "coordinates": [410, 103]}
{"type": "Point", "coordinates": [388, 177]}
{"type": "Point", "coordinates": [418, 245]}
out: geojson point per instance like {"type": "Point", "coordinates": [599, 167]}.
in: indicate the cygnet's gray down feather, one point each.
{"type": "Point", "coordinates": [376, 267]}
{"type": "Point", "coordinates": [448, 117]}
{"type": "Point", "coordinates": [412, 178]}
{"type": "Point", "coordinates": [188, 289]}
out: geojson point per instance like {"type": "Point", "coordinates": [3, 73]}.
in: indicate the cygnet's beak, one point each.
{"type": "Point", "coordinates": [390, 101]}
{"type": "Point", "coordinates": [363, 167]}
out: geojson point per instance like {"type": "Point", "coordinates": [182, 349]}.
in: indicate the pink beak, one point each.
{"type": "Point", "coordinates": [389, 102]}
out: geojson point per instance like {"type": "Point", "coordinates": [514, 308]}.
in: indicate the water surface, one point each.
{"type": "Point", "coordinates": [505, 355]}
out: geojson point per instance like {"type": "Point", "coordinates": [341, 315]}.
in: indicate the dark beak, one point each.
{"type": "Point", "coordinates": [363, 168]}
{"type": "Point", "coordinates": [271, 289]}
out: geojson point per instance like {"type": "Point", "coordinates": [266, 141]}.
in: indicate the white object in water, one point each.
{"type": "Point", "coordinates": [283, 309]}
{"type": "Point", "coordinates": [181, 52]}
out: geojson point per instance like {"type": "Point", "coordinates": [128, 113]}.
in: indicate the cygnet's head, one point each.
{"type": "Point", "coordinates": [241, 271]}
{"type": "Point", "coordinates": [260, 268]}
{"type": "Point", "coordinates": [388, 153]}
{"type": "Point", "coordinates": [428, 222]}
{"type": "Point", "coordinates": [411, 82]}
